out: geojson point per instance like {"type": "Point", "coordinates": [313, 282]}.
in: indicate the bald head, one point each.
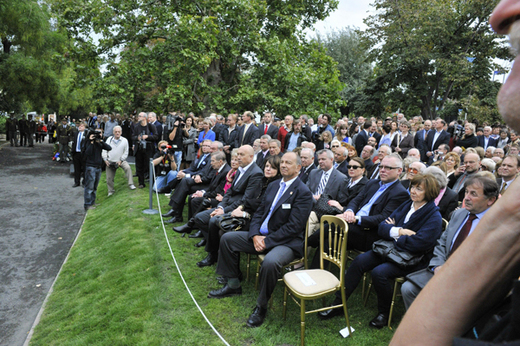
{"type": "Point", "coordinates": [245, 155]}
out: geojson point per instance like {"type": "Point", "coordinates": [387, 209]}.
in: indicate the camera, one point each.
{"type": "Point", "coordinates": [171, 119]}
{"type": "Point", "coordinates": [96, 132]}
{"type": "Point", "coordinates": [114, 165]}
{"type": "Point", "coordinates": [167, 149]}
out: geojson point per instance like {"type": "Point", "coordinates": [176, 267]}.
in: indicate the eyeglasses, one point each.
{"type": "Point", "coordinates": [334, 146]}
{"type": "Point", "coordinates": [353, 167]}
{"type": "Point", "coordinates": [413, 170]}
{"type": "Point", "coordinates": [388, 168]}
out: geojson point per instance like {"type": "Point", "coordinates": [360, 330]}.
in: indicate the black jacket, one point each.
{"type": "Point", "coordinates": [92, 153]}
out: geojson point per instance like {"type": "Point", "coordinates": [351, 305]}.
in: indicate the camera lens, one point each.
{"type": "Point", "coordinates": [163, 147]}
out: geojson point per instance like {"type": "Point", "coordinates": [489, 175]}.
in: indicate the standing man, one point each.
{"type": "Point", "coordinates": [294, 138]}
{"type": "Point", "coordinates": [420, 140]}
{"type": "Point", "coordinates": [277, 230]}
{"type": "Point", "coordinates": [268, 128]}
{"type": "Point", "coordinates": [12, 126]}
{"type": "Point", "coordinates": [486, 140]}
{"type": "Point", "coordinates": [469, 168]}
{"type": "Point", "coordinates": [437, 137]}
{"type": "Point", "coordinates": [116, 158]}
{"type": "Point", "coordinates": [285, 129]}
{"type": "Point", "coordinates": [143, 135]}
{"type": "Point", "coordinates": [362, 138]}
{"type": "Point", "coordinates": [152, 119]}
{"type": "Point", "coordinates": [509, 170]}
{"type": "Point", "coordinates": [93, 162]}
{"type": "Point", "coordinates": [307, 158]}
{"type": "Point", "coordinates": [78, 160]}
{"type": "Point", "coordinates": [248, 132]}
{"type": "Point", "coordinates": [228, 135]}
{"type": "Point", "coordinates": [22, 127]}
{"type": "Point", "coordinates": [30, 130]}
{"type": "Point", "coordinates": [63, 132]}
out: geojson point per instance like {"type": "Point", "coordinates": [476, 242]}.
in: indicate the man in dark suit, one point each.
{"type": "Point", "coordinates": [77, 156]}
{"type": "Point", "coordinates": [307, 157]}
{"type": "Point", "coordinates": [277, 230]}
{"type": "Point", "coordinates": [220, 169]}
{"type": "Point", "coordinates": [373, 133]}
{"type": "Point", "coordinates": [340, 160]}
{"type": "Point", "coordinates": [486, 140]}
{"type": "Point", "coordinates": [248, 132]}
{"type": "Point", "coordinates": [481, 193]}
{"type": "Point", "coordinates": [228, 135]}
{"type": "Point", "coordinates": [374, 204]}
{"type": "Point", "coordinates": [246, 186]}
{"type": "Point", "coordinates": [403, 140]}
{"type": "Point", "coordinates": [263, 154]}
{"type": "Point", "coordinates": [362, 138]}
{"type": "Point", "coordinates": [267, 127]}
{"type": "Point", "coordinates": [384, 151]}
{"type": "Point", "coordinates": [326, 179]}
{"type": "Point", "coordinates": [509, 170]}
{"type": "Point", "coordinates": [420, 140]}
{"type": "Point", "coordinates": [437, 137]}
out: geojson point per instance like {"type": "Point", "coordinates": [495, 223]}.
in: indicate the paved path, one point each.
{"type": "Point", "coordinates": [40, 215]}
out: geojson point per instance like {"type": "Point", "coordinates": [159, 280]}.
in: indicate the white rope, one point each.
{"type": "Point", "coordinates": [179, 269]}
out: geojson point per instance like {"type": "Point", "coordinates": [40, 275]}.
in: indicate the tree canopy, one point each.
{"type": "Point", "coordinates": [205, 56]}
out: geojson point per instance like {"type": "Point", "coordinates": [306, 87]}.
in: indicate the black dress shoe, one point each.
{"type": "Point", "coordinates": [257, 317]}
{"type": "Point", "coordinates": [75, 185]}
{"type": "Point", "coordinates": [183, 229]}
{"type": "Point", "coordinates": [196, 235]}
{"type": "Point", "coordinates": [201, 243]}
{"type": "Point", "coordinates": [379, 321]}
{"type": "Point", "coordinates": [170, 213]}
{"type": "Point", "coordinates": [223, 280]}
{"type": "Point", "coordinates": [225, 292]}
{"type": "Point", "coordinates": [174, 219]}
{"type": "Point", "coordinates": [328, 314]}
{"type": "Point", "coordinates": [210, 260]}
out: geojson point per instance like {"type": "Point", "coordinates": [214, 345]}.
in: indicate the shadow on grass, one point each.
{"type": "Point", "coordinates": [120, 286]}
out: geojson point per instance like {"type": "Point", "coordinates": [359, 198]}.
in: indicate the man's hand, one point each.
{"type": "Point", "coordinates": [316, 197]}
{"type": "Point", "coordinates": [405, 231]}
{"type": "Point", "coordinates": [226, 148]}
{"type": "Point", "coordinates": [107, 163]}
{"type": "Point", "coordinates": [348, 216]}
{"type": "Point", "coordinates": [335, 204]}
{"type": "Point", "coordinates": [197, 194]}
{"type": "Point", "coordinates": [397, 149]}
{"type": "Point", "coordinates": [144, 136]}
{"type": "Point", "coordinates": [197, 179]}
{"type": "Point", "coordinates": [91, 137]}
{"type": "Point", "coordinates": [460, 170]}
{"type": "Point", "coordinates": [216, 212]}
{"type": "Point", "coordinates": [181, 175]}
{"type": "Point", "coordinates": [219, 197]}
{"type": "Point", "coordinates": [119, 163]}
{"type": "Point", "coordinates": [259, 243]}
{"type": "Point", "coordinates": [429, 153]}
{"type": "Point", "coordinates": [237, 212]}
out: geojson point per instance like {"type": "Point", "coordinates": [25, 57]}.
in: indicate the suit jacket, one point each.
{"type": "Point", "coordinates": [272, 131]}
{"type": "Point", "coordinates": [193, 170]}
{"type": "Point", "coordinates": [289, 216]}
{"type": "Point", "coordinates": [75, 140]}
{"type": "Point", "coordinates": [491, 143]}
{"type": "Point", "coordinates": [361, 141]}
{"type": "Point", "coordinates": [347, 194]}
{"type": "Point", "coordinates": [342, 167]}
{"type": "Point", "coordinates": [377, 136]}
{"type": "Point", "coordinates": [468, 142]}
{"type": "Point", "coordinates": [419, 142]}
{"type": "Point", "coordinates": [444, 138]}
{"type": "Point", "coordinates": [260, 158]}
{"type": "Point", "coordinates": [335, 182]}
{"type": "Point", "coordinates": [448, 203]}
{"type": "Point", "coordinates": [406, 144]}
{"type": "Point", "coordinates": [392, 198]}
{"type": "Point", "coordinates": [159, 128]}
{"type": "Point", "coordinates": [227, 138]}
{"type": "Point", "coordinates": [372, 170]}
{"type": "Point", "coordinates": [251, 134]}
{"type": "Point", "coordinates": [245, 189]}
{"type": "Point", "coordinates": [304, 173]}
{"type": "Point", "coordinates": [217, 183]}
{"type": "Point", "coordinates": [442, 249]}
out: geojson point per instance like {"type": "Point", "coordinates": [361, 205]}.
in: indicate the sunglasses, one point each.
{"type": "Point", "coordinates": [353, 167]}
{"type": "Point", "coordinates": [335, 146]}
{"type": "Point", "coordinates": [413, 170]}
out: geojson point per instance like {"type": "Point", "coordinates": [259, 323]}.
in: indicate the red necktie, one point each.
{"type": "Point", "coordinates": [463, 234]}
{"type": "Point", "coordinates": [265, 131]}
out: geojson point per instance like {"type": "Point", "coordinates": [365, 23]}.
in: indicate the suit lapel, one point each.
{"type": "Point", "coordinates": [286, 195]}
{"type": "Point", "coordinates": [457, 223]}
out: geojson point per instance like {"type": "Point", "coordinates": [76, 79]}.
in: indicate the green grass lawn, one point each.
{"type": "Point", "coordinates": [120, 286]}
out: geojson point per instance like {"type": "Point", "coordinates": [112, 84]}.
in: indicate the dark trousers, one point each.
{"type": "Point", "coordinates": [30, 139]}
{"type": "Point", "coordinates": [202, 220]}
{"type": "Point", "coordinates": [183, 189]}
{"type": "Point", "coordinates": [79, 167]}
{"type": "Point", "coordinates": [142, 162]}
{"type": "Point", "coordinates": [232, 243]}
{"type": "Point", "coordinates": [92, 176]}
{"type": "Point", "coordinates": [23, 139]}
{"type": "Point", "coordinates": [383, 274]}
{"type": "Point", "coordinates": [195, 205]}
{"type": "Point", "coordinates": [361, 239]}
{"type": "Point", "coordinates": [12, 138]}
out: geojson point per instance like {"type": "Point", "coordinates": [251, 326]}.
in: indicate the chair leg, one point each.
{"type": "Point", "coordinates": [394, 295]}
{"type": "Point", "coordinates": [284, 313]}
{"type": "Point", "coordinates": [345, 310]}
{"type": "Point", "coordinates": [302, 322]}
{"type": "Point", "coordinates": [367, 293]}
{"type": "Point", "coordinates": [248, 265]}
{"type": "Point", "coordinates": [257, 275]}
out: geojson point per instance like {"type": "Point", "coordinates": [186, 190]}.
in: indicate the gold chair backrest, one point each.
{"type": "Point", "coordinates": [335, 250]}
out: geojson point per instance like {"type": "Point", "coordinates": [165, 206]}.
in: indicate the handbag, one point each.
{"type": "Point", "coordinates": [387, 250]}
{"type": "Point", "coordinates": [322, 207]}
{"type": "Point", "coordinates": [230, 223]}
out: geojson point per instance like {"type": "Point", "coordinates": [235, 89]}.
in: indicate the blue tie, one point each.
{"type": "Point", "coordinates": [263, 228]}
{"type": "Point", "coordinates": [78, 146]}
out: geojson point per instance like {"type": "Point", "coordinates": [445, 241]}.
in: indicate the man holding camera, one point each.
{"type": "Point", "coordinates": [175, 137]}
{"type": "Point", "coordinates": [116, 158]}
{"type": "Point", "coordinates": [144, 134]}
{"type": "Point", "coordinates": [93, 162]}
{"type": "Point", "coordinates": [165, 167]}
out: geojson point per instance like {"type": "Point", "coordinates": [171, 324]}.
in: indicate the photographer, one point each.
{"type": "Point", "coordinates": [165, 167]}
{"type": "Point", "coordinates": [143, 135]}
{"type": "Point", "coordinates": [175, 123]}
{"type": "Point", "coordinates": [93, 162]}
{"type": "Point", "coordinates": [116, 158]}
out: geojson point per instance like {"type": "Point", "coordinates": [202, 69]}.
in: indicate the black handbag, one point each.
{"type": "Point", "coordinates": [387, 250]}
{"type": "Point", "coordinates": [230, 223]}
{"type": "Point", "coordinates": [322, 207]}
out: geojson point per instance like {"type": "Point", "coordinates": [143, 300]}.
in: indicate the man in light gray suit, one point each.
{"type": "Point", "coordinates": [326, 179]}
{"type": "Point", "coordinates": [481, 193]}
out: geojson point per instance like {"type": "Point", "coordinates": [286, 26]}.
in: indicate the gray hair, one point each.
{"type": "Point", "coordinates": [328, 152]}
{"type": "Point", "coordinates": [266, 137]}
{"type": "Point", "coordinates": [438, 174]}
{"type": "Point", "coordinates": [311, 152]}
{"type": "Point", "coordinates": [117, 127]}
{"type": "Point", "coordinates": [398, 159]}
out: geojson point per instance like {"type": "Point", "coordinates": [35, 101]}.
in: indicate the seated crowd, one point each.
{"type": "Point", "coordinates": [394, 179]}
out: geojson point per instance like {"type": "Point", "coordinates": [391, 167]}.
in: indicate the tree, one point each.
{"type": "Point", "coordinates": [345, 47]}
{"type": "Point", "coordinates": [209, 55]}
{"type": "Point", "coordinates": [426, 51]}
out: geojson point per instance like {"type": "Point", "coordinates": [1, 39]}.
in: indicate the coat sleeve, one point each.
{"type": "Point", "coordinates": [425, 237]}
{"type": "Point", "coordinates": [393, 202]}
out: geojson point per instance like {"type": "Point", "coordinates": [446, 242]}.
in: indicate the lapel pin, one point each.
{"type": "Point", "coordinates": [290, 193]}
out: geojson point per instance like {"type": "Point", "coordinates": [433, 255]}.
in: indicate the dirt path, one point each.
{"type": "Point", "coordinates": [40, 215]}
